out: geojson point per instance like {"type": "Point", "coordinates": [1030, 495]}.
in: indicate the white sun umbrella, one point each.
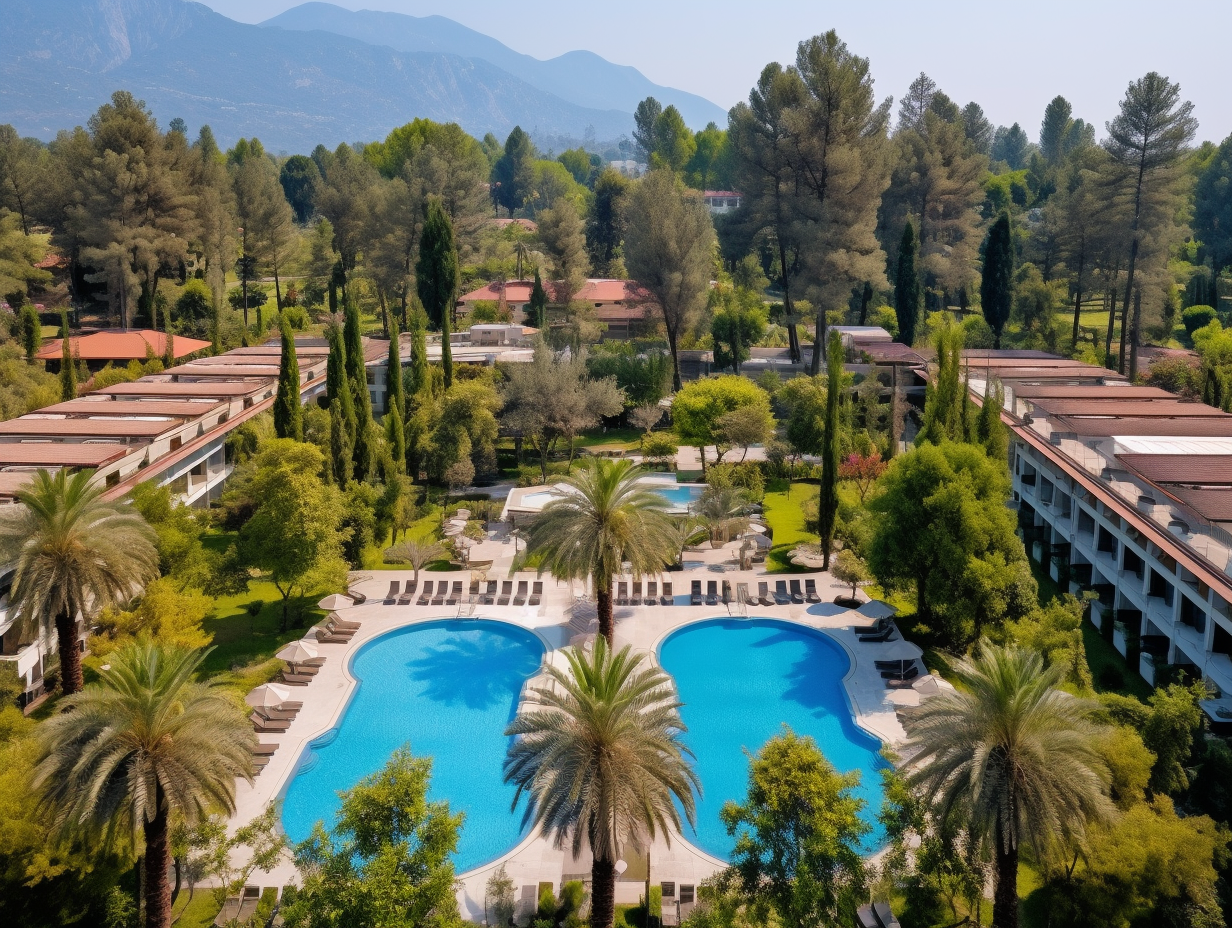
{"type": "Point", "coordinates": [268, 695]}
{"type": "Point", "coordinates": [336, 601]}
{"type": "Point", "coordinates": [296, 652]}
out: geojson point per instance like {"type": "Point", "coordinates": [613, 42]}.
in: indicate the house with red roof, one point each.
{"type": "Point", "coordinates": [721, 201]}
{"type": "Point", "coordinates": [620, 305]}
{"type": "Point", "coordinates": [99, 349]}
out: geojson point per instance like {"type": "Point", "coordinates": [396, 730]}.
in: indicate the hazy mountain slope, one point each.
{"type": "Point", "coordinates": [60, 59]}
{"type": "Point", "coordinates": [580, 77]}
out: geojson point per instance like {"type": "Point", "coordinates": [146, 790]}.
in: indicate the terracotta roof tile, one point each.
{"type": "Point", "coordinates": [88, 428]}
{"type": "Point", "coordinates": [134, 345]}
{"type": "Point", "coordinates": [60, 454]}
{"type": "Point", "coordinates": [1200, 469]}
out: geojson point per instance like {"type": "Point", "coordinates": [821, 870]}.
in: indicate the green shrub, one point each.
{"type": "Point", "coordinates": [659, 449]}
{"type": "Point", "coordinates": [746, 475]}
{"type": "Point", "coordinates": [1197, 317]}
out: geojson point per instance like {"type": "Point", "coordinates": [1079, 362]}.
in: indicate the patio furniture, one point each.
{"type": "Point", "coordinates": [259, 764]}
{"type": "Point", "coordinates": [520, 598]}
{"type": "Point", "coordinates": [230, 912]}
{"type": "Point", "coordinates": [248, 904]}
{"type": "Point", "coordinates": [473, 594]}
{"type": "Point", "coordinates": [622, 593]}
{"type": "Point", "coordinates": [455, 594]}
{"type": "Point", "coordinates": [712, 592]}
{"type": "Point", "coordinates": [489, 594]}
{"type": "Point", "coordinates": [884, 635]}
{"type": "Point", "coordinates": [810, 591]}
{"type": "Point", "coordinates": [763, 593]}
{"type": "Point", "coordinates": [635, 598]}
{"type": "Point", "coordinates": [357, 599]}
{"type": "Point", "coordinates": [392, 595]}
{"type": "Point", "coordinates": [797, 595]}
{"type": "Point", "coordinates": [426, 596]}
{"type": "Point", "coordinates": [884, 915]}
{"type": "Point", "coordinates": [275, 713]}
{"type": "Point", "coordinates": [442, 587]}
{"type": "Point", "coordinates": [781, 596]}
{"type": "Point", "coordinates": [339, 622]}
{"type": "Point", "coordinates": [270, 726]}
{"type": "Point", "coordinates": [744, 596]}
{"type": "Point", "coordinates": [652, 593]}
{"type": "Point", "coordinates": [902, 673]}
{"type": "Point", "coordinates": [297, 679]}
{"type": "Point", "coordinates": [308, 670]}
{"type": "Point", "coordinates": [875, 629]}
{"type": "Point", "coordinates": [695, 597]}
{"type": "Point", "coordinates": [408, 593]}
{"type": "Point", "coordinates": [536, 593]}
{"type": "Point", "coordinates": [264, 750]}
{"type": "Point", "coordinates": [505, 593]}
{"type": "Point", "coordinates": [907, 681]}
{"type": "Point", "coordinates": [667, 599]}
{"type": "Point", "coordinates": [340, 628]}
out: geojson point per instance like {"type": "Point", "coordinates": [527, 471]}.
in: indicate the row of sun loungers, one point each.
{"type": "Point", "coordinates": [651, 597]}
{"type": "Point", "coordinates": [447, 593]}
{"type": "Point", "coordinates": [239, 910]}
{"type": "Point", "coordinates": [782, 595]}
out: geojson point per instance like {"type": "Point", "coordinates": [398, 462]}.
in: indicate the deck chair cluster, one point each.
{"type": "Point", "coordinates": [651, 597]}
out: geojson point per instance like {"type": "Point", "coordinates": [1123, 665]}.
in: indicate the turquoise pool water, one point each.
{"type": "Point", "coordinates": [740, 681]}
{"type": "Point", "coordinates": [679, 496]}
{"type": "Point", "coordinates": [448, 689]}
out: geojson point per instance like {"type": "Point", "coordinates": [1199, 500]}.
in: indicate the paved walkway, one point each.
{"type": "Point", "coordinates": [560, 618]}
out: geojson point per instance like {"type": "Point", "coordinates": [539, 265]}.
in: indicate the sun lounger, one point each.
{"type": "Point", "coordinates": [763, 593]}
{"type": "Point", "coordinates": [269, 726]}
{"type": "Point", "coordinates": [230, 912]}
{"type": "Point", "coordinates": [442, 587]}
{"type": "Point", "coordinates": [392, 595]}
{"type": "Point", "coordinates": [900, 675]}
{"type": "Point", "coordinates": [695, 597]}
{"type": "Point", "coordinates": [519, 598]}
{"type": "Point", "coordinates": [264, 750]}
{"type": "Point", "coordinates": [473, 594]}
{"type": "Point", "coordinates": [797, 595]}
{"type": "Point", "coordinates": [489, 595]}
{"type": "Point", "coordinates": [308, 670]}
{"type": "Point", "coordinates": [299, 679]}
{"type": "Point", "coordinates": [325, 636]}
{"type": "Point", "coordinates": [744, 596]}
{"type": "Point", "coordinates": [884, 635]}
{"type": "Point", "coordinates": [874, 629]}
{"type": "Point", "coordinates": [667, 599]}
{"type": "Point", "coordinates": [259, 764]}
{"type": "Point", "coordinates": [342, 631]}
{"type": "Point", "coordinates": [622, 593]}
{"type": "Point", "coordinates": [885, 916]}
{"type": "Point", "coordinates": [712, 592]}
{"type": "Point", "coordinates": [635, 599]}
{"type": "Point", "coordinates": [652, 593]}
{"type": "Point", "coordinates": [536, 593]}
{"type": "Point", "coordinates": [356, 597]}
{"type": "Point", "coordinates": [248, 904]}
{"type": "Point", "coordinates": [340, 622]}
{"type": "Point", "coordinates": [455, 594]}
{"type": "Point", "coordinates": [810, 591]}
{"type": "Point", "coordinates": [781, 596]}
{"type": "Point", "coordinates": [890, 665]}
{"type": "Point", "coordinates": [408, 594]}
{"type": "Point", "coordinates": [505, 593]}
{"type": "Point", "coordinates": [426, 596]}
{"type": "Point", "coordinates": [727, 592]}
{"type": "Point", "coordinates": [275, 713]}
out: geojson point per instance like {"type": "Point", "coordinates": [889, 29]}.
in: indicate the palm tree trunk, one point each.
{"type": "Point", "coordinates": [603, 893]}
{"type": "Point", "coordinates": [1005, 897]}
{"type": "Point", "coordinates": [607, 627]}
{"type": "Point", "coordinates": [71, 679]}
{"type": "Point", "coordinates": [157, 861]}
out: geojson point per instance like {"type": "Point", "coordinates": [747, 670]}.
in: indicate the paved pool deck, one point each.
{"type": "Point", "coordinates": [560, 619]}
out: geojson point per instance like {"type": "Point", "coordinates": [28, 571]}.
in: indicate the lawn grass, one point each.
{"type": "Point", "coordinates": [612, 438]}
{"type": "Point", "coordinates": [785, 506]}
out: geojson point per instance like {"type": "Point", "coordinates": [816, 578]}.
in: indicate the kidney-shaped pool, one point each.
{"type": "Point", "coordinates": [740, 682]}
{"type": "Point", "coordinates": [448, 689]}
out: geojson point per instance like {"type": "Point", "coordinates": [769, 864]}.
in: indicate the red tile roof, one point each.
{"type": "Point", "coordinates": [145, 387]}
{"type": "Point", "coordinates": [1202, 469]}
{"type": "Point", "coordinates": [1144, 409]}
{"type": "Point", "coordinates": [134, 345]}
{"type": "Point", "coordinates": [1092, 391]}
{"type": "Point", "coordinates": [186, 409]}
{"type": "Point", "coordinates": [88, 428]}
{"type": "Point", "coordinates": [61, 454]}
{"type": "Point", "coordinates": [1134, 426]}
{"type": "Point", "coordinates": [596, 290]}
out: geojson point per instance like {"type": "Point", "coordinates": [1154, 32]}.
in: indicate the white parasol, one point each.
{"type": "Point", "coordinates": [876, 609]}
{"type": "Point", "coordinates": [296, 652]}
{"type": "Point", "coordinates": [268, 695]}
{"type": "Point", "coordinates": [335, 601]}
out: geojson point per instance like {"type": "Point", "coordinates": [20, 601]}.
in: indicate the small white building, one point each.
{"type": "Point", "coordinates": [722, 201]}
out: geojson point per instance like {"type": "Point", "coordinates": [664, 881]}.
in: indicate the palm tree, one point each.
{"type": "Point", "coordinates": [74, 551]}
{"type": "Point", "coordinates": [602, 760]}
{"type": "Point", "coordinates": [724, 511]}
{"type": "Point", "coordinates": [1013, 756]}
{"type": "Point", "coordinates": [142, 745]}
{"type": "Point", "coordinates": [604, 519]}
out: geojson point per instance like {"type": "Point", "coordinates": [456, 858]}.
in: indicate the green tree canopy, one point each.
{"type": "Point", "coordinates": [698, 407]}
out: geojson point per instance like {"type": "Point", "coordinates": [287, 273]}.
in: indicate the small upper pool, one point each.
{"type": "Point", "coordinates": [740, 682]}
{"type": "Point", "coordinates": [679, 496]}
{"type": "Point", "coordinates": [448, 689]}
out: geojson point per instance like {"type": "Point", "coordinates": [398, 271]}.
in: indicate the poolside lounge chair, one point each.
{"type": "Point", "coordinates": [426, 596]}
{"type": "Point", "coordinates": [392, 595]}
{"type": "Point", "coordinates": [442, 587]}
{"type": "Point", "coordinates": [455, 594]}
{"type": "Point", "coordinates": [884, 915]}
{"type": "Point", "coordinates": [810, 591]}
{"type": "Point", "coordinates": [797, 595]}
{"type": "Point", "coordinates": [338, 622]}
{"type": "Point", "coordinates": [763, 593]}
{"type": "Point", "coordinates": [622, 593]}
{"type": "Point", "coordinates": [408, 594]}
{"type": "Point", "coordinates": [248, 904]}
{"type": "Point", "coordinates": [636, 598]}
{"type": "Point", "coordinates": [727, 592]}
{"type": "Point", "coordinates": [325, 636]}
{"type": "Point", "coordinates": [667, 599]}
{"type": "Point", "coordinates": [874, 629]}
{"type": "Point", "coordinates": [334, 627]}
{"type": "Point", "coordinates": [259, 764]}
{"type": "Point", "coordinates": [299, 679]}
{"type": "Point", "coordinates": [473, 594]}
{"type": "Point", "coordinates": [275, 713]}
{"type": "Point", "coordinates": [743, 596]}
{"type": "Point", "coordinates": [884, 635]}
{"type": "Point", "coordinates": [489, 594]}
{"type": "Point", "coordinates": [781, 596]}
{"type": "Point", "coordinates": [536, 593]}
{"type": "Point", "coordinates": [695, 597]}
{"type": "Point", "coordinates": [230, 912]}
{"type": "Point", "coordinates": [890, 665]}
{"type": "Point", "coordinates": [308, 670]}
{"type": "Point", "coordinates": [264, 750]}
{"type": "Point", "coordinates": [519, 598]}
{"type": "Point", "coordinates": [909, 673]}
{"type": "Point", "coordinates": [269, 726]}
{"type": "Point", "coordinates": [652, 593]}
{"type": "Point", "coordinates": [505, 593]}
{"type": "Point", "coordinates": [907, 680]}
{"type": "Point", "coordinates": [712, 592]}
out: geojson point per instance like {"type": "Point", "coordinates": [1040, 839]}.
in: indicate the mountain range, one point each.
{"type": "Point", "coordinates": [311, 75]}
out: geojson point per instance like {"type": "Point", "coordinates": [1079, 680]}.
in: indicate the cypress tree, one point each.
{"type": "Point", "coordinates": [336, 386]}
{"type": "Point", "coordinates": [419, 350]}
{"type": "Point", "coordinates": [989, 429]}
{"type": "Point", "coordinates": [168, 350]}
{"type": "Point", "coordinates": [68, 369]}
{"type": "Point", "coordinates": [538, 305]}
{"type": "Point", "coordinates": [339, 446]}
{"type": "Point", "coordinates": [907, 287]}
{"type": "Point", "coordinates": [866, 300]}
{"type": "Point", "coordinates": [30, 326]}
{"type": "Point", "coordinates": [361, 402]}
{"type": "Point", "coordinates": [827, 503]}
{"type": "Point", "coordinates": [436, 277]}
{"type": "Point", "coordinates": [943, 402]}
{"type": "Point", "coordinates": [288, 412]}
{"type": "Point", "coordinates": [395, 395]}
{"type": "Point", "coordinates": [996, 281]}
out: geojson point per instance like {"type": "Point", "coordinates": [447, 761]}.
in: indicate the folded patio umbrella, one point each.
{"type": "Point", "coordinates": [900, 650]}
{"type": "Point", "coordinates": [876, 609]}
{"type": "Point", "coordinates": [296, 652]}
{"type": "Point", "coordinates": [268, 695]}
{"type": "Point", "coordinates": [335, 601]}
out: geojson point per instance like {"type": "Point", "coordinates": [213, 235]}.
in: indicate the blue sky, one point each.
{"type": "Point", "coordinates": [1011, 59]}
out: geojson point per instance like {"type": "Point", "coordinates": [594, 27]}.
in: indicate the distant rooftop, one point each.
{"type": "Point", "coordinates": [134, 345]}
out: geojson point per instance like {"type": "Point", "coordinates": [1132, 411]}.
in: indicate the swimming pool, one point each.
{"type": "Point", "coordinates": [679, 496]}
{"type": "Point", "coordinates": [740, 681]}
{"type": "Point", "coordinates": [448, 689]}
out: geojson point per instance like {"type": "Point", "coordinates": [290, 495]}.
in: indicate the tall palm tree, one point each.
{"type": "Point", "coordinates": [601, 761]}
{"type": "Point", "coordinates": [1013, 757]}
{"type": "Point", "coordinates": [143, 744]}
{"type": "Point", "coordinates": [603, 520]}
{"type": "Point", "coordinates": [74, 552]}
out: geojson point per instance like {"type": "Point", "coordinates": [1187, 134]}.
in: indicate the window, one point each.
{"type": "Point", "coordinates": [113, 478]}
{"type": "Point", "coordinates": [669, 890]}
{"type": "Point", "coordinates": [177, 443]}
{"type": "Point", "coordinates": [686, 894]}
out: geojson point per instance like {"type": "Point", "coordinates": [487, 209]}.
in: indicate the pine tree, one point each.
{"type": "Point", "coordinates": [339, 446]}
{"type": "Point", "coordinates": [907, 287]}
{"type": "Point", "coordinates": [357, 377]}
{"type": "Point", "coordinates": [288, 412]}
{"type": "Point", "coordinates": [538, 306]}
{"type": "Point", "coordinates": [997, 279]}
{"type": "Point", "coordinates": [827, 503]}
{"type": "Point", "coordinates": [68, 367]}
